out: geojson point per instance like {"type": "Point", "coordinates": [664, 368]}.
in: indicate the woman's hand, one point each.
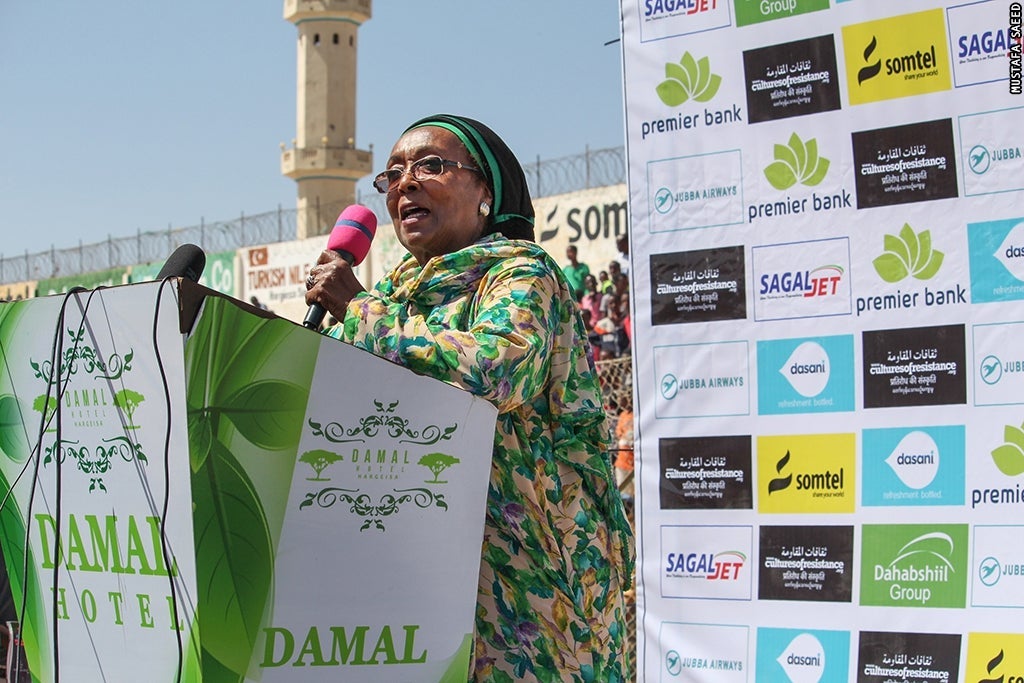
{"type": "Point", "coordinates": [332, 284]}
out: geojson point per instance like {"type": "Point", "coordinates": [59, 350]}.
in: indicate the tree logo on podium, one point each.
{"type": "Point", "coordinates": [79, 395]}
{"type": "Point", "coordinates": [437, 463]}
{"type": "Point", "coordinates": [381, 444]}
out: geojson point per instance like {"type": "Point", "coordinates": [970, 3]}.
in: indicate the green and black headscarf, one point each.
{"type": "Point", "coordinates": [513, 210]}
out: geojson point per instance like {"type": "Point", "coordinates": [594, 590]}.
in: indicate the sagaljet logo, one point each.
{"type": "Point", "coordinates": [906, 254]}
{"type": "Point", "coordinates": [723, 566]}
{"type": "Point", "coordinates": [807, 369]}
{"type": "Point", "coordinates": [872, 69]}
{"type": "Point", "coordinates": [687, 79]}
{"type": "Point", "coordinates": [796, 162]}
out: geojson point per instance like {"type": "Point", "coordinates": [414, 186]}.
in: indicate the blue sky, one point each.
{"type": "Point", "coordinates": [122, 115]}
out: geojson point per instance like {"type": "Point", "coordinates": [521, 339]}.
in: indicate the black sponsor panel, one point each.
{"type": "Point", "coordinates": [908, 657]}
{"type": "Point", "coordinates": [903, 164]}
{"type": "Point", "coordinates": [791, 79]}
{"type": "Point", "coordinates": [915, 366]}
{"type": "Point", "coordinates": [705, 473]}
{"type": "Point", "coordinates": [698, 286]}
{"type": "Point", "coordinates": [809, 563]}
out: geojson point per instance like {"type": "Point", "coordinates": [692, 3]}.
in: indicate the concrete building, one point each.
{"type": "Point", "coordinates": [323, 158]}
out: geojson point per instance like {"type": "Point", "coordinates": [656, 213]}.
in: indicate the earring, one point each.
{"type": "Point", "coordinates": [485, 209]}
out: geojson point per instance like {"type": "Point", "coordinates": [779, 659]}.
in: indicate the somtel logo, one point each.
{"type": "Point", "coordinates": [897, 57]}
{"type": "Point", "coordinates": [995, 658]}
{"type": "Point", "coordinates": [914, 565]}
{"type": "Point", "coordinates": [807, 481]}
{"type": "Point", "coordinates": [806, 473]}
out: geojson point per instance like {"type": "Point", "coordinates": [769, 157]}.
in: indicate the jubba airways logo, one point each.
{"type": "Point", "coordinates": [688, 78]}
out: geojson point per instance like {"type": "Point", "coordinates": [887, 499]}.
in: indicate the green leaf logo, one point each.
{"type": "Point", "coordinates": [1009, 457]}
{"type": "Point", "coordinates": [796, 162]}
{"type": "Point", "coordinates": [689, 78]}
{"type": "Point", "coordinates": [908, 254]}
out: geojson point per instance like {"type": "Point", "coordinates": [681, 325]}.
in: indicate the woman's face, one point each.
{"type": "Point", "coordinates": [441, 214]}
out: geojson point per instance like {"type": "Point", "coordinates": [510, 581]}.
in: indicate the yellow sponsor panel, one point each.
{"type": "Point", "coordinates": [897, 57]}
{"type": "Point", "coordinates": [806, 473]}
{"type": "Point", "coordinates": [995, 657]}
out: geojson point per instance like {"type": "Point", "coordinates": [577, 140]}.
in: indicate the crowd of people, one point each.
{"type": "Point", "coordinates": [604, 303]}
{"type": "Point", "coordinates": [603, 299]}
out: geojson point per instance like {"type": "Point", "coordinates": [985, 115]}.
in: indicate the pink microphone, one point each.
{"type": "Point", "coordinates": [353, 233]}
{"type": "Point", "coordinates": [351, 238]}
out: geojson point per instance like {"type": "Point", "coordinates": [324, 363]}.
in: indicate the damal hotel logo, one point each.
{"type": "Point", "coordinates": [896, 57]}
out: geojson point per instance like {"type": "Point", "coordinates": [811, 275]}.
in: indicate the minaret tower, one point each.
{"type": "Point", "coordinates": [323, 158]}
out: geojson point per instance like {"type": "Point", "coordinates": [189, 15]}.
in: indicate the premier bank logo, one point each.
{"type": "Point", "coordinates": [897, 57]}
{"type": "Point", "coordinates": [797, 161]}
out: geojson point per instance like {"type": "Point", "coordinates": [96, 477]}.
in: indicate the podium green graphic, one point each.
{"type": "Point", "coordinates": [201, 491]}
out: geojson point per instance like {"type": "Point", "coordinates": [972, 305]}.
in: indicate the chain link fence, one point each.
{"type": "Point", "coordinates": [616, 377]}
{"type": "Point", "coordinates": [593, 168]}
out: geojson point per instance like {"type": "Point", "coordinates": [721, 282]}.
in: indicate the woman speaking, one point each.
{"type": "Point", "coordinates": [479, 305]}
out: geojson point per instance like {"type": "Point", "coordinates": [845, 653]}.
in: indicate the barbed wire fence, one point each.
{"type": "Point", "coordinates": [593, 168]}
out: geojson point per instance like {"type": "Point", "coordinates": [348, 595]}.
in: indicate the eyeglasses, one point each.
{"type": "Point", "coordinates": [421, 169]}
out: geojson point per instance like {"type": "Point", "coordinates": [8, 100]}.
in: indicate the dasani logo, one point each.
{"type": "Point", "coordinates": [915, 460]}
{"type": "Point", "coordinates": [803, 660]}
{"type": "Point", "coordinates": [807, 369]}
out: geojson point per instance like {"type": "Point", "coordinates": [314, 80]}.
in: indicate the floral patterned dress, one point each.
{"type": "Point", "coordinates": [498, 319]}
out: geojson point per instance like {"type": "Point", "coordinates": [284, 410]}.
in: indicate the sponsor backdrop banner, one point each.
{"type": "Point", "coordinates": [827, 214]}
{"type": "Point", "coordinates": [222, 506]}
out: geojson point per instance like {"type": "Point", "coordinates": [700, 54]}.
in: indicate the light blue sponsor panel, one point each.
{"type": "Point", "coordinates": [997, 260]}
{"type": "Point", "coordinates": [806, 375]}
{"type": "Point", "coordinates": [785, 655]}
{"type": "Point", "coordinates": [913, 466]}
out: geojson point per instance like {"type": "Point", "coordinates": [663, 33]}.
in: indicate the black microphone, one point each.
{"type": "Point", "coordinates": [187, 262]}
{"type": "Point", "coordinates": [351, 238]}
